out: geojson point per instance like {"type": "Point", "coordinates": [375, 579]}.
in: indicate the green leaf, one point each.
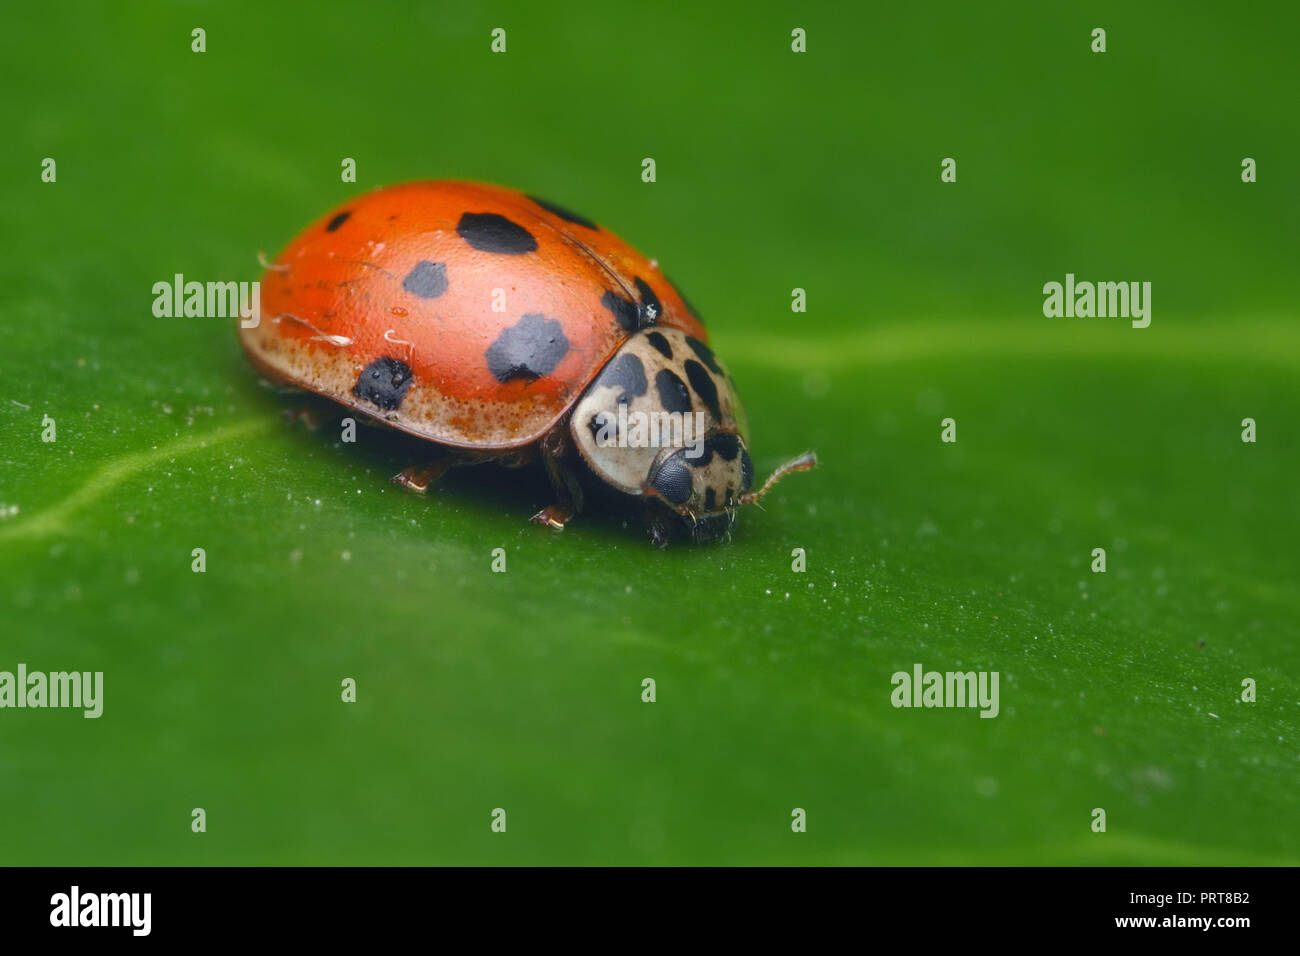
{"type": "Point", "coordinates": [523, 690]}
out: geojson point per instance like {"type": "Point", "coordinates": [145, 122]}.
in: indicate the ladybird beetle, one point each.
{"type": "Point", "coordinates": [505, 328]}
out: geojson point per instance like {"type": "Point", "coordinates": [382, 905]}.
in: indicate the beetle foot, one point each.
{"type": "Point", "coordinates": [418, 478]}
{"type": "Point", "coordinates": [309, 415]}
{"type": "Point", "coordinates": [554, 517]}
{"type": "Point", "coordinates": [659, 526]}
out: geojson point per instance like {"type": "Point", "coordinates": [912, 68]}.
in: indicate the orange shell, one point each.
{"type": "Point", "coordinates": [498, 308]}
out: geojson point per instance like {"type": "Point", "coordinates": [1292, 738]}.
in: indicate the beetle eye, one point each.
{"type": "Point", "coordinates": [673, 480]}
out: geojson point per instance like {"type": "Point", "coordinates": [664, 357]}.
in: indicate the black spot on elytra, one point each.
{"type": "Point", "coordinates": [384, 382]}
{"type": "Point", "coordinates": [490, 232]}
{"type": "Point", "coordinates": [529, 349]}
{"type": "Point", "coordinates": [564, 214]}
{"type": "Point", "coordinates": [625, 312]}
{"type": "Point", "coordinates": [710, 499]}
{"type": "Point", "coordinates": [704, 386]}
{"type": "Point", "coordinates": [337, 221]}
{"type": "Point", "coordinates": [673, 395]}
{"type": "Point", "coordinates": [705, 353]}
{"type": "Point", "coordinates": [673, 480]}
{"type": "Point", "coordinates": [660, 343]}
{"type": "Point", "coordinates": [626, 373]}
{"type": "Point", "coordinates": [746, 471]}
{"type": "Point", "coordinates": [685, 301]}
{"type": "Point", "coordinates": [428, 280]}
{"type": "Point", "coordinates": [651, 308]}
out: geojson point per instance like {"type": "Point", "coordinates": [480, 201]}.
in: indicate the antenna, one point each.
{"type": "Point", "coordinates": [804, 462]}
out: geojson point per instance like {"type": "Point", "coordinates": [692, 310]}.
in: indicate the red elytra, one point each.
{"type": "Point", "coordinates": [351, 289]}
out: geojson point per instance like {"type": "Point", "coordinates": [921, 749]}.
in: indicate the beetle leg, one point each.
{"type": "Point", "coordinates": [563, 481]}
{"type": "Point", "coordinates": [554, 517]}
{"type": "Point", "coordinates": [418, 478]}
{"type": "Point", "coordinates": [658, 523]}
{"type": "Point", "coordinates": [313, 416]}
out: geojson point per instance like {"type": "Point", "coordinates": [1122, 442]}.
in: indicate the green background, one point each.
{"type": "Point", "coordinates": [522, 690]}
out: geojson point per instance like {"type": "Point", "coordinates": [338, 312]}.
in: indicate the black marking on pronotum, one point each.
{"type": "Point", "coordinates": [703, 459]}
{"type": "Point", "coordinates": [660, 343]}
{"type": "Point", "coordinates": [746, 471]}
{"type": "Point", "coordinates": [428, 280]}
{"type": "Point", "coordinates": [564, 214]}
{"type": "Point", "coordinates": [490, 232]}
{"type": "Point", "coordinates": [685, 301]}
{"type": "Point", "coordinates": [529, 349]}
{"type": "Point", "coordinates": [651, 308]}
{"type": "Point", "coordinates": [673, 480]}
{"type": "Point", "coordinates": [337, 221]}
{"type": "Point", "coordinates": [710, 499]}
{"type": "Point", "coordinates": [603, 421]}
{"type": "Point", "coordinates": [704, 387]}
{"type": "Point", "coordinates": [384, 382]}
{"type": "Point", "coordinates": [627, 374]}
{"type": "Point", "coordinates": [725, 444]}
{"type": "Point", "coordinates": [625, 312]}
{"type": "Point", "coordinates": [673, 394]}
{"type": "Point", "coordinates": [705, 353]}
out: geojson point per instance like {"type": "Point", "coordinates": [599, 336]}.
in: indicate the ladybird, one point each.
{"type": "Point", "coordinates": [505, 328]}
